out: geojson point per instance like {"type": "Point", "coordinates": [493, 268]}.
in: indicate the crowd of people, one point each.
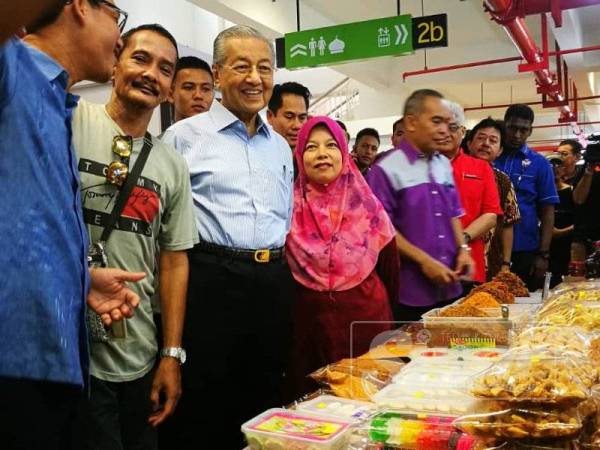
{"type": "Point", "coordinates": [161, 291]}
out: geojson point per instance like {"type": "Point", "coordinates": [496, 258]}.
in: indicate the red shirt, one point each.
{"type": "Point", "coordinates": [478, 192]}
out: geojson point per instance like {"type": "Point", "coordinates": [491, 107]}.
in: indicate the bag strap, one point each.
{"type": "Point", "coordinates": [127, 188]}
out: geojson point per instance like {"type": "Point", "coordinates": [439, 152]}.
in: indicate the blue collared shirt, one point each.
{"type": "Point", "coordinates": [533, 179]}
{"type": "Point", "coordinates": [43, 243]}
{"type": "Point", "coordinates": [241, 185]}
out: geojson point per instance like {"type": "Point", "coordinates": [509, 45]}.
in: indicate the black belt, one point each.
{"type": "Point", "coordinates": [261, 256]}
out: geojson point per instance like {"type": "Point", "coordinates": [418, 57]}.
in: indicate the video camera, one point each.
{"type": "Point", "coordinates": [592, 151]}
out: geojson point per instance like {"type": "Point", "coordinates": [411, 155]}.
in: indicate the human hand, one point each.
{"type": "Point", "coordinates": [109, 296]}
{"type": "Point", "coordinates": [167, 381]}
{"type": "Point", "coordinates": [540, 267]}
{"type": "Point", "coordinates": [438, 272]}
{"type": "Point", "coordinates": [465, 266]}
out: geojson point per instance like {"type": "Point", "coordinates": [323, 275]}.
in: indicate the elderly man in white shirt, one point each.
{"type": "Point", "coordinates": [239, 297]}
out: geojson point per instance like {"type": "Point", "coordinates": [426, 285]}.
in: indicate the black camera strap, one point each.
{"type": "Point", "coordinates": [127, 188]}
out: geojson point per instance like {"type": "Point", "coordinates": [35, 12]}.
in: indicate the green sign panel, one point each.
{"type": "Point", "coordinates": [389, 36]}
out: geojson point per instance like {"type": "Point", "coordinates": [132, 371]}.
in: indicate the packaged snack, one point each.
{"type": "Point", "coordinates": [522, 423]}
{"type": "Point", "coordinates": [285, 429]}
{"type": "Point", "coordinates": [584, 314]}
{"type": "Point", "coordinates": [537, 377]}
{"type": "Point", "coordinates": [336, 407]}
{"type": "Point", "coordinates": [357, 379]}
{"type": "Point", "coordinates": [568, 338]}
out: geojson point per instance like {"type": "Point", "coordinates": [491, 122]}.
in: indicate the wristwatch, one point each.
{"type": "Point", "coordinates": [174, 352]}
{"type": "Point", "coordinates": [507, 263]}
{"type": "Point", "coordinates": [464, 247]}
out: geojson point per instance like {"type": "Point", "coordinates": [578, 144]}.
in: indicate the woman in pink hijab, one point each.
{"type": "Point", "coordinates": [338, 232]}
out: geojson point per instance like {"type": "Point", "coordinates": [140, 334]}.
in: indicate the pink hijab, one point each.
{"type": "Point", "coordinates": [337, 230]}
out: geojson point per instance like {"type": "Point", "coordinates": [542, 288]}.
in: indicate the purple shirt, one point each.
{"type": "Point", "coordinates": [419, 195]}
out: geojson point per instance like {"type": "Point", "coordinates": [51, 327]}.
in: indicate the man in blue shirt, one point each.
{"type": "Point", "coordinates": [239, 296]}
{"type": "Point", "coordinates": [533, 179]}
{"type": "Point", "coordinates": [45, 280]}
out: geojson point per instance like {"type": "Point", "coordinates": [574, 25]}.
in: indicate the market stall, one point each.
{"type": "Point", "coordinates": [495, 370]}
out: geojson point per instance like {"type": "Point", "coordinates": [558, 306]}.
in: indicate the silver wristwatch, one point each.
{"type": "Point", "coordinates": [174, 352]}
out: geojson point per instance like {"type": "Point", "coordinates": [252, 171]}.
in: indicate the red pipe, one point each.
{"type": "Point", "coordinates": [478, 108]}
{"type": "Point", "coordinates": [488, 62]}
{"type": "Point", "coordinates": [554, 125]}
{"type": "Point", "coordinates": [501, 11]}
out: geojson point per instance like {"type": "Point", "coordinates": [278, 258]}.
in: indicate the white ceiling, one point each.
{"type": "Point", "coordinates": [472, 37]}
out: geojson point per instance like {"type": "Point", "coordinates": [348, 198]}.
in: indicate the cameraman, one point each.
{"type": "Point", "coordinates": [587, 195]}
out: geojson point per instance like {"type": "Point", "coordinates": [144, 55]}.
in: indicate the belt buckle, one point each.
{"type": "Point", "coordinates": [262, 256]}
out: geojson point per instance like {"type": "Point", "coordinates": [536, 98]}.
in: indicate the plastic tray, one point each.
{"type": "Point", "coordinates": [407, 399]}
{"type": "Point", "coordinates": [339, 408]}
{"type": "Point", "coordinates": [287, 429]}
{"type": "Point", "coordinates": [492, 331]}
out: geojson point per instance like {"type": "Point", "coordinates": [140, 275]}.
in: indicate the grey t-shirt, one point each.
{"type": "Point", "coordinates": [159, 212]}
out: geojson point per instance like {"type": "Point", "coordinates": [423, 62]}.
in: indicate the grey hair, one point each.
{"type": "Point", "coordinates": [415, 101]}
{"type": "Point", "coordinates": [237, 31]}
{"type": "Point", "coordinates": [457, 112]}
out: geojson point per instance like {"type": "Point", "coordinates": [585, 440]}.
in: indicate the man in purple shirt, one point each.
{"type": "Point", "coordinates": [416, 187]}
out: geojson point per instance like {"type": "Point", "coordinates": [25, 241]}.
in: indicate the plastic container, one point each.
{"type": "Point", "coordinates": [407, 399]}
{"type": "Point", "coordinates": [287, 429]}
{"type": "Point", "coordinates": [493, 330]}
{"type": "Point", "coordinates": [339, 408]}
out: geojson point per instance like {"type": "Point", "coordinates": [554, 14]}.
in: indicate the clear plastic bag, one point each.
{"type": "Point", "coordinates": [573, 339]}
{"type": "Point", "coordinates": [544, 376]}
{"type": "Point", "coordinates": [522, 423]}
{"type": "Point", "coordinates": [357, 379]}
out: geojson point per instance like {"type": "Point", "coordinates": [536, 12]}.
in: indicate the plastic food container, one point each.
{"type": "Point", "coordinates": [494, 330]}
{"type": "Point", "coordinates": [406, 399]}
{"type": "Point", "coordinates": [286, 429]}
{"type": "Point", "coordinates": [340, 408]}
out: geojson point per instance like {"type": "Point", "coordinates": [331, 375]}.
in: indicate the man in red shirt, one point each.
{"type": "Point", "coordinates": [477, 188]}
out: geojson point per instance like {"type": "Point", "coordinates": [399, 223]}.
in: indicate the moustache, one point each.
{"type": "Point", "coordinates": [142, 85]}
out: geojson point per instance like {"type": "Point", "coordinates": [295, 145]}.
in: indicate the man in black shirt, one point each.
{"type": "Point", "coordinates": [586, 196]}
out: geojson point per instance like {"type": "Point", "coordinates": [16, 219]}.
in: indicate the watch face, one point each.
{"type": "Point", "coordinates": [182, 356]}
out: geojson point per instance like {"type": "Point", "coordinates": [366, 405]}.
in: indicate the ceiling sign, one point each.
{"type": "Point", "coordinates": [389, 36]}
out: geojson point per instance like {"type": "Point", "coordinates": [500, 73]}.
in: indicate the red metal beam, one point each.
{"type": "Point", "coordinates": [477, 108]}
{"type": "Point", "coordinates": [489, 62]}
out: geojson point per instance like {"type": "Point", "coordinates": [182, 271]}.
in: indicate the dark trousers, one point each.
{"type": "Point", "coordinates": [405, 313]}
{"type": "Point", "coordinates": [36, 415]}
{"type": "Point", "coordinates": [237, 336]}
{"type": "Point", "coordinates": [115, 417]}
{"type": "Point", "coordinates": [522, 265]}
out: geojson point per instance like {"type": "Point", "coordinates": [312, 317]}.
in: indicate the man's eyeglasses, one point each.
{"type": "Point", "coordinates": [118, 170]}
{"type": "Point", "coordinates": [264, 70]}
{"type": "Point", "coordinates": [121, 15]}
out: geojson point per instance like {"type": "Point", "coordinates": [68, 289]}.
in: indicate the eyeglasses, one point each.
{"type": "Point", "coordinates": [264, 70]}
{"type": "Point", "coordinates": [121, 15]}
{"type": "Point", "coordinates": [118, 170]}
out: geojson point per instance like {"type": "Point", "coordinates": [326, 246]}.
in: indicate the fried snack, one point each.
{"type": "Point", "coordinates": [536, 379]}
{"type": "Point", "coordinates": [462, 310]}
{"type": "Point", "coordinates": [498, 290]}
{"type": "Point", "coordinates": [481, 300]}
{"type": "Point", "coordinates": [566, 338]}
{"type": "Point", "coordinates": [584, 314]}
{"type": "Point", "coordinates": [594, 352]}
{"type": "Point", "coordinates": [357, 379]}
{"type": "Point", "coordinates": [514, 284]}
{"type": "Point", "coordinates": [522, 423]}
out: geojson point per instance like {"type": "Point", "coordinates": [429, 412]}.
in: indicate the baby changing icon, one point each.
{"type": "Point", "coordinates": [383, 38]}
